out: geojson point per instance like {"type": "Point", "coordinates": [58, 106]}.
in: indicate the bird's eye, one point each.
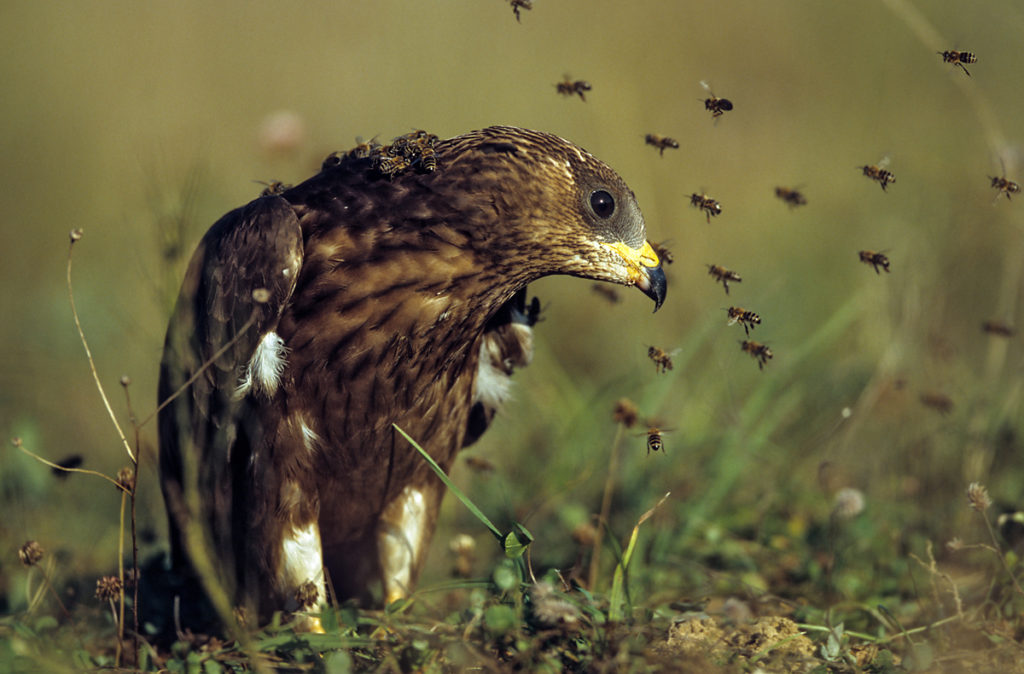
{"type": "Point", "coordinates": [602, 203]}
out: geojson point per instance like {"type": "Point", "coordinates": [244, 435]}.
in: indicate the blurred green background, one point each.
{"type": "Point", "coordinates": [141, 124]}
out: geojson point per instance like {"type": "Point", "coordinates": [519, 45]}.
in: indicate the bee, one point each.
{"type": "Point", "coordinates": [332, 160]}
{"type": "Point", "coordinates": [958, 58]}
{"type": "Point", "coordinates": [479, 465]}
{"type": "Point", "coordinates": [273, 188]}
{"type": "Point", "coordinates": [724, 275]}
{"type": "Point", "coordinates": [874, 259]}
{"type": "Point", "coordinates": [791, 196]}
{"type": "Point", "coordinates": [363, 149]}
{"type": "Point", "coordinates": [706, 204]}
{"type": "Point", "coordinates": [717, 106]}
{"type": "Point", "coordinates": [655, 442]}
{"type": "Point", "coordinates": [758, 350]}
{"type": "Point", "coordinates": [878, 173]}
{"type": "Point", "coordinates": [661, 142]}
{"type": "Point", "coordinates": [607, 292]}
{"type": "Point", "coordinates": [520, 4]}
{"type": "Point", "coordinates": [569, 87]}
{"type": "Point", "coordinates": [998, 328]}
{"type": "Point", "coordinates": [73, 461]}
{"type": "Point", "coordinates": [748, 319]}
{"type": "Point", "coordinates": [940, 402]}
{"type": "Point", "coordinates": [389, 165]}
{"type": "Point", "coordinates": [662, 359]}
{"type": "Point", "coordinates": [428, 160]}
{"type": "Point", "coordinates": [663, 253]}
{"type": "Point", "coordinates": [1004, 186]}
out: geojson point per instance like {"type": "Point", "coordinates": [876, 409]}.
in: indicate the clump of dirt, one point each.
{"type": "Point", "coordinates": [772, 641]}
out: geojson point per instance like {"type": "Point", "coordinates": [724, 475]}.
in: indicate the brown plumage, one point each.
{"type": "Point", "coordinates": [383, 298]}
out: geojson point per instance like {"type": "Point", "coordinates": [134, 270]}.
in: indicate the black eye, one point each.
{"type": "Point", "coordinates": [602, 203]}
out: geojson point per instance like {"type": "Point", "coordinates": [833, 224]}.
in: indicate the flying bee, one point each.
{"type": "Point", "coordinates": [874, 259]}
{"type": "Point", "coordinates": [568, 87]}
{"type": "Point", "coordinates": [717, 106]}
{"type": "Point", "coordinates": [479, 464]}
{"type": "Point", "coordinates": [878, 173]}
{"type": "Point", "coordinates": [64, 466]}
{"type": "Point", "coordinates": [520, 4]}
{"type": "Point", "coordinates": [663, 253]}
{"type": "Point", "coordinates": [1004, 186]}
{"type": "Point", "coordinates": [661, 142]}
{"type": "Point", "coordinates": [655, 443]}
{"type": "Point", "coordinates": [723, 275]}
{"type": "Point", "coordinates": [791, 196]}
{"type": "Point", "coordinates": [940, 402]}
{"type": "Point", "coordinates": [662, 359]}
{"type": "Point", "coordinates": [748, 319]}
{"type": "Point", "coordinates": [758, 350]}
{"type": "Point", "coordinates": [998, 328]}
{"type": "Point", "coordinates": [607, 292]}
{"type": "Point", "coordinates": [273, 188]}
{"type": "Point", "coordinates": [958, 58]}
{"type": "Point", "coordinates": [706, 204]}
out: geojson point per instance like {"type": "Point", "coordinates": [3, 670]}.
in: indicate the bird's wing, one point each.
{"type": "Point", "coordinates": [220, 351]}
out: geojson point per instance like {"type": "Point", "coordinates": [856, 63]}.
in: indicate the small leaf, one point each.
{"type": "Point", "coordinates": [516, 541]}
{"type": "Point", "coordinates": [500, 619]}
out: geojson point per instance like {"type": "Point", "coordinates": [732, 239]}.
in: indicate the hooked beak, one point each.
{"type": "Point", "coordinates": [644, 270]}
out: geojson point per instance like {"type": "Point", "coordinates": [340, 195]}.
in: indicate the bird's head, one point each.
{"type": "Point", "coordinates": [561, 210]}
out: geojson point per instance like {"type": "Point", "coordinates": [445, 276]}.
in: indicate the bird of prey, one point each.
{"type": "Point", "coordinates": [390, 288]}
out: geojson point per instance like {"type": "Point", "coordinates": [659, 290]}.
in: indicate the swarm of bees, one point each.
{"type": "Point", "coordinates": [662, 359]}
{"type": "Point", "coordinates": [958, 58]}
{"type": "Point", "coordinates": [748, 319]}
{"type": "Point", "coordinates": [879, 174]}
{"type": "Point", "coordinates": [874, 259]}
{"type": "Point", "coordinates": [414, 150]}
{"type": "Point", "coordinates": [759, 351]}
{"type": "Point", "coordinates": [998, 328]}
{"type": "Point", "coordinates": [791, 196]}
{"type": "Point", "coordinates": [520, 5]}
{"type": "Point", "coordinates": [723, 275]}
{"type": "Point", "coordinates": [706, 204]}
{"type": "Point", "coordinates": [717, 106]}
{"type": "Point", "coordinates": [570, 87]}
{"type": "Point", "coordinates": [661, 142]}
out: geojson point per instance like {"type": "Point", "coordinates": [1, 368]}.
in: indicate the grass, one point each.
{"type": "Point", "coordinates": [819, 517]}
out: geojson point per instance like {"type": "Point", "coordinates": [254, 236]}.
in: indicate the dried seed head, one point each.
{"type": "Point", "coordinates": [30, 553]}
{"type": "Point", "coordinates": [108, 588]}
{"type": "Point", "coordinates": [955, 545]}
{"type": "Point", "coordinates": [977, 497]}
{"type": "Point", "coordinates": [307, 594]}
{"type": "Point", "coordinates": [75, 234]}
{"type": "Point", "coordinates": [625, 413]}
{"type": "Point", "coordinates": [849, 503]}
{"type": "Point", "coordinates": [126, 381]}
{"type": "Point", "coordinates": [261, 295]}
{"type": "Point", "coordinates": [126, 478]}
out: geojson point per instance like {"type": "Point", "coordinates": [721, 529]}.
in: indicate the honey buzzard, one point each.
{"type": "Point", "coordinates": [390, 288]}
